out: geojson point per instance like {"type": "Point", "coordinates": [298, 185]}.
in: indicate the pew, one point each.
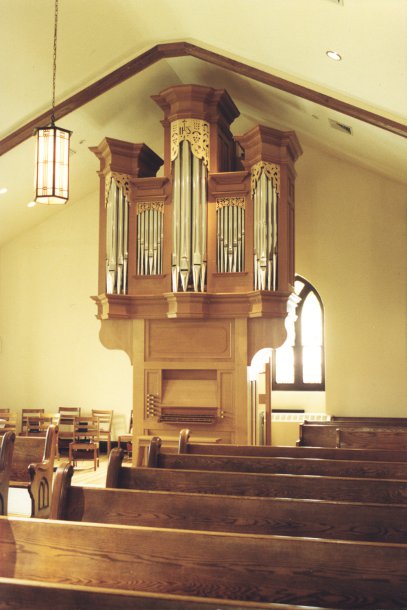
{"type": "Point", "coordinates": [381, 491]}
{"type": "Point", "coordinates": [6, 456]}
{"type": "Point", "coordinates": [368, 438]}
{"type": "Point", "coordinates": [249, 515]}
{"type": "Point", "coordinates": [351, 436]}
{"type": "Point", "coordinates": [19, 594]}
{"type": "Point", "coordinates": [387, 421]}
{"type": "Point", "coordinates": [32, 468]}
{"type": "Point", "coordinates": [281, 465]}
{"type": "Point", "coordinates": [332, 453]}
{"type": "Point", "coordinates": [239, 567]}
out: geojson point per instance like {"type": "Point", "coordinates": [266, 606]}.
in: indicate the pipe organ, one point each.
{"type": "Point", "coordinates": [196, 266]}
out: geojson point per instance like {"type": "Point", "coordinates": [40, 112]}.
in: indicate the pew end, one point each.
{"type": "Point", "coordinates": [33, 469]}
{"type": "Point", "coordinates": [114, 466]}
{"type": "Point", "coordinates": [60, 490]}
{"type": "Point", "coordinates": [184, 436]}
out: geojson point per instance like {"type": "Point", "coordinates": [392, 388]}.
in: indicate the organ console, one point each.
{"type": "Point", "coordinates": [196, 267]}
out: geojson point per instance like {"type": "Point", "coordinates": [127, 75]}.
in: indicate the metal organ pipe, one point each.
{"type": "Point", "coordinates": [149, 237]}
{"type": "Point", "coordinates": [117, 219]}
{"type": "Point", "coordinates": [176, 213]}
{"type": "Point", "coordinates": [185, 259]}
{"type": "Point", "coordinates": [265, 201]}
{"type": "Point", "coordinates": [204, 216]}
{"type": "Point", "coordinates": [230, 229]}
{"type": "Point", "coordinates": [189, 220]}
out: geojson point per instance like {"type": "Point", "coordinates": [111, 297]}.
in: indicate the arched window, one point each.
{"type": "Point", "coordinates": [299, 364]}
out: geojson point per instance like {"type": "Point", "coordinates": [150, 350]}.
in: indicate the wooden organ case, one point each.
{"type": "Point", "coordinates": [196, 268]}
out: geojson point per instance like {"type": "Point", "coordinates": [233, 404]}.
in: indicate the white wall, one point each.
{"type": "Point", "coordinates": [51, 354]}
{"type": "Point", "coordinates": [351, 243]}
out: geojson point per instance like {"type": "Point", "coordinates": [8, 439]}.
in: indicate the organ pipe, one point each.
{"type": "Point", "coordinates": [230, 229]}
{"type": "Point", "coordinates": [117, 219]}
{"type": "Point", "coordinates": [265, 191]}
{"type": "Point", "coordinates": [150, 228]}
{"type": "Point", "coordinates": [189, 219]}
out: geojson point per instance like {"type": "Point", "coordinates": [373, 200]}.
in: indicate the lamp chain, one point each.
{"type": "Point", "coordinates": [54, 68]}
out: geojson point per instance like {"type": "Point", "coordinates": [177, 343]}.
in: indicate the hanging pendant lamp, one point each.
{"type": "Point", "coordinates": [52, 151]}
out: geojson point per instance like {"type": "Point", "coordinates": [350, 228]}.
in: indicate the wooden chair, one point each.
{"type": "Point", "coordinates": [37, 425]}
{"type": "Point", "coordinates": [28, 420]}
{"type": "Point", "coordinates": [85, 445]}
{"type": "Point", "coordinates": [8, 421]}
{"type": "Point", "coordinates": [127, 438]}
{"type": "Point", "coordinates": [105, 418]}
{"type": "Point", "coordinates": [66, 425]}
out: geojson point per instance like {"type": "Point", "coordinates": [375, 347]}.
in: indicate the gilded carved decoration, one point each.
{"type": "Point", "coordinates": [144, 206]}
{"type": "Point", "coordinates": [222, 202]}
{"type": "Point", "coordinates": [196, 132]}
{"type": "Point", "coordinates": [122, 181]}
{"type": "Point", "coordinates": [272, 172]}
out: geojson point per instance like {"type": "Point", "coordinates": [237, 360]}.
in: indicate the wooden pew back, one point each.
{"type": "Point", "coordinates": [277, 465]}
{"type": "Point", "coordinates": [381, 421]}
{"type": "Point", "coordinates": [18, 594]}
{"type": "Point", "coordinates": [314, 435]}
{"type": "Point", "coordinates": [206, 564]}
{"type": "Point", "coordinates": [349, 435]}
{"type": "Point", "coordinates": [382, 491]}
{"type": "Point", "coordinates": [333, 453]}
{"type": "Point", "coordinates": [288, 517]}
{"type": "Point", "coordinates": [369, 438]}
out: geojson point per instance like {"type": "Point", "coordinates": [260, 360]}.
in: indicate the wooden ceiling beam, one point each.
{"type": "Point", "coordinates": [184, 49]}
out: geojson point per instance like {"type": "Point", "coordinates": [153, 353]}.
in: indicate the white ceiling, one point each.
{"type": "Point", "coordinates": [286, 38]}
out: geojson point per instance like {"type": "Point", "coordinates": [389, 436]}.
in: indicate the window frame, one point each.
{"type": "Point", "coordinates": [298, 383]}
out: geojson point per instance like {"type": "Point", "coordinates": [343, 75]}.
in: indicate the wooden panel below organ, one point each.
{"type": "Point", "coordinates": [179, 339]}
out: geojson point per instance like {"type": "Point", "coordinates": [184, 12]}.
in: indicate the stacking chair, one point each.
{"type": "Point", "coordinates": [105, 418]}
{"type": "Point", "coordinates": [8, 421]}
{"type": "Point", "coordinates": [30, 422]}
{"type": "Point", "coordinates": [127, 438]}
{"type": "Point", "coordinates": [85, 445]}
{"type": "Point", "coordinates": [66, 424]}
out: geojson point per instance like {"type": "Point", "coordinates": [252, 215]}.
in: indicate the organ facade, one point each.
{"type": "Point", "coordinates": [196, 266]}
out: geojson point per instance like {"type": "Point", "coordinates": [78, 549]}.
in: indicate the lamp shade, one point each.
{"type": "Point", "coordinates": [52, 165]}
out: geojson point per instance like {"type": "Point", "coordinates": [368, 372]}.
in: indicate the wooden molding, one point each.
{"type": "Point", "coordinates": [189, 305]}
{"type": "Point", "coordinates": [184, 49]}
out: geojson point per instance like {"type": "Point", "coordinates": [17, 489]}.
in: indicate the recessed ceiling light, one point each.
{"type": "Point", "coordinates": [3, 190]}
{"type": "Point", "coordinates": [334, 55]}
{"type": "Point", "coordinates": [31, 204]}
